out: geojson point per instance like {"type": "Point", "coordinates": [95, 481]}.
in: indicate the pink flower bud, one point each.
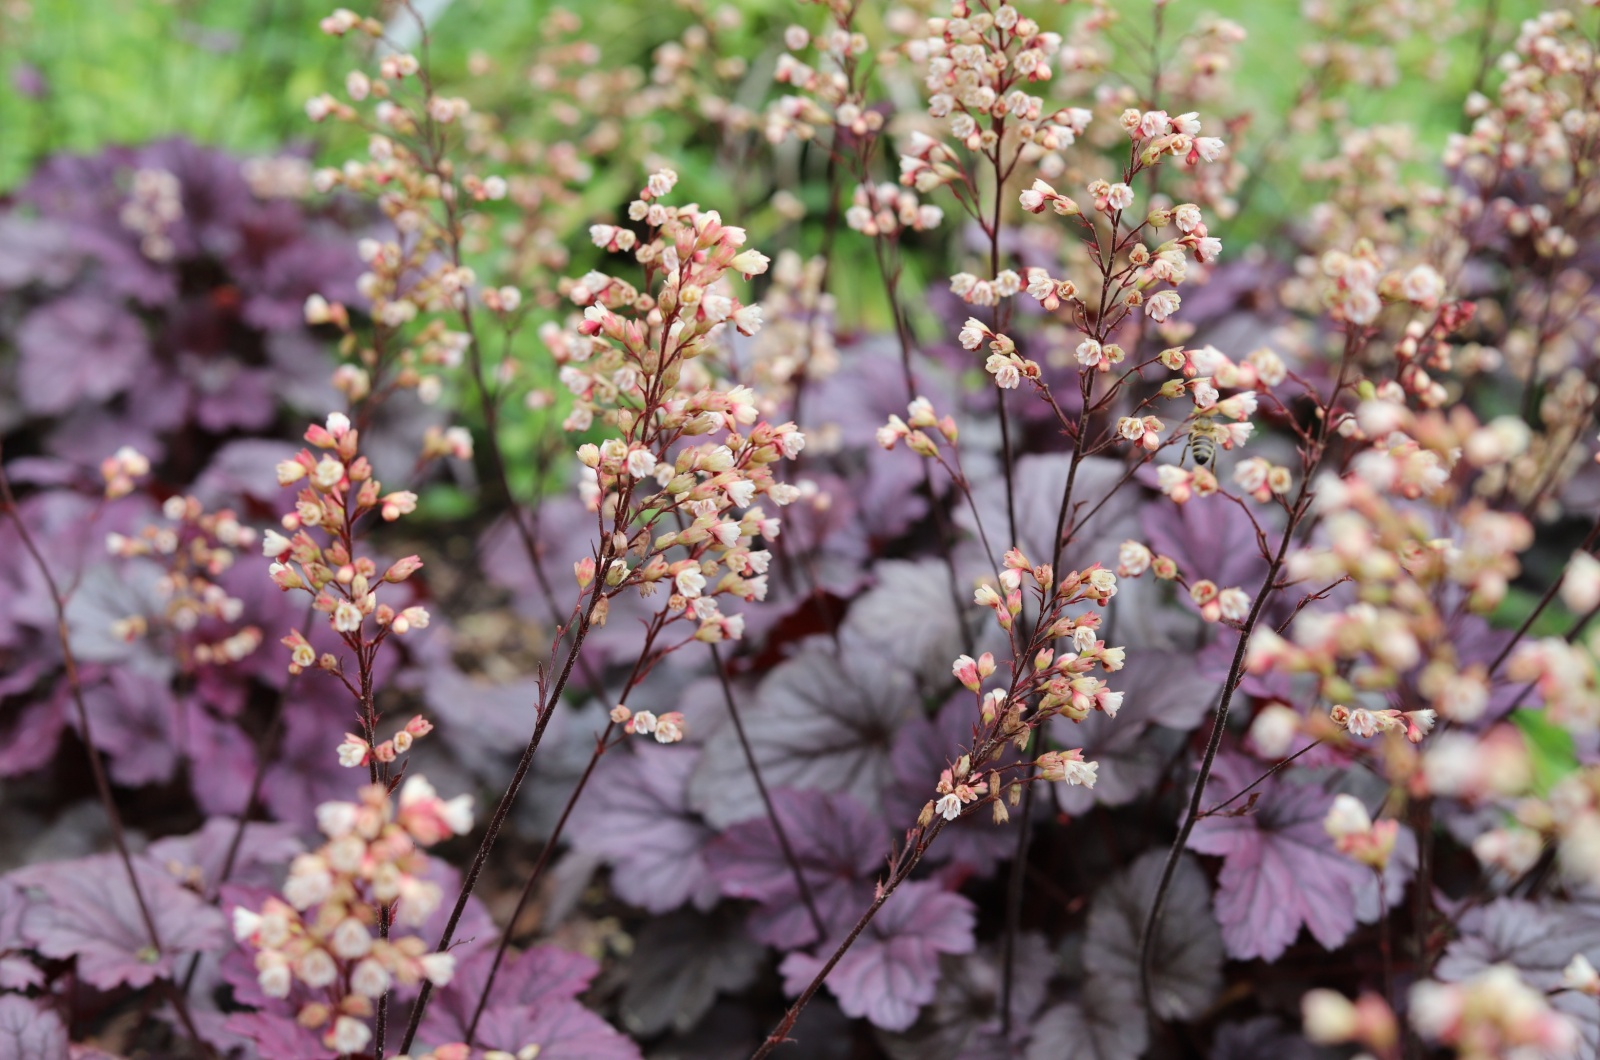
{"type": "Point", "coordinates": [402, 569]}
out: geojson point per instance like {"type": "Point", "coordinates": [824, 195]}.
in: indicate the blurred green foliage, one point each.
{"type": "Point", "coordinates": [236, 73]}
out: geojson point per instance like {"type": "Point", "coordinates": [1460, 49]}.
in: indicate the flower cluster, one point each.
{"type": "Point", "coordinates": [339, 492]}
{"type": "Point", "coordinates": [330, 935]}
{"type": "Point", "coordinates": [195, 549]}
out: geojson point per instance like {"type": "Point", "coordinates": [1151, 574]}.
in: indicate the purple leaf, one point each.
{"type": "Point", "coordinates": [1211, 538]}
{"type": "Point", "coordinates": [30, 734]}
{"type": "Point", "coordinates": [820, 720]}
{"type": "Point", "coordinates": [839, 847]}
{"type": "Point", "coordinates": [133, 720]}
{"type": "Point", "coordinates": [1280, 870]}
{"type": "Point", "coordinates": [30, 1030]}
{"type": "Point", "coordinates": [892, 970]}
{"type": "Point", "coordinates": [77, 349]}
{"type": "Point", "coordinates": [303, 772]}
{"type": "Point", "coordinates": [278, 1037]}
{"type": "Point", "coordinates": [680, 963]}
{"type": "Point", "coordinates": [1039, 483]}
{"type": "Point", "coordinates": [197, 858]}
{"type": "Point", "coordinates": [540, 975]}
{"type": "Point", "coordinates": [634, 814]}
{"type": "Point", "coordinates": [1164, 694]}
{"type": "Point", "coordinates": [86, 909]}
{"type": "Point", "coordinates": [38, 251]}
{"type": "Point", "coordinates": [909, 616]}
{"type": "Point", "coordinates": [222, 762]}
{"type": "Point", "coordinates": [563, 1030]}
{"type": "Point", "coordinates": [1187, 957]}
{"type": "Point", "coordinates": [1539, 940]}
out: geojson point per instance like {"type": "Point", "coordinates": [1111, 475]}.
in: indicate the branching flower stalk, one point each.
{"type": "Point", "coordinates": [641, 377]}
{"type": "Point", "coordinates": [1040, 687]}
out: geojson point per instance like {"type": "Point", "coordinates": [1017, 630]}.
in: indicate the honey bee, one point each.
{"type": "Point", "coordinates": [1205, 438]}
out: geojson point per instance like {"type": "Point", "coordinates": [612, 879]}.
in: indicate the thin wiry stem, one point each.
{"type": "Point", "coordinates": [549, 701]}
{"type": "Point", "coordinates": [804, 887]}
{"type": "Point", "coordinates": [97, 769]}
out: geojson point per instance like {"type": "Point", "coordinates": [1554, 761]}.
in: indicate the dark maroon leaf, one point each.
{"type": "Point", "coordinates": [1186, 966]}
{"type": "Point", "coordinates": [680, 963]}
{"type": "Point", "coordinates": [820, 720]}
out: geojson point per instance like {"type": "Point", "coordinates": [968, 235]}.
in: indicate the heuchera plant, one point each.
{"type": "Point", "coordinates": [1132, 642]}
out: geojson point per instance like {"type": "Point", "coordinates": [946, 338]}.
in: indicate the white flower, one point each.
{"type": "Point", "coordinates": [346, 617]}
{"type": "Point", "coordinates": [351, 939]}
{"type": "Point", "coordinates": [1579, 974]}
{"type": "Point", "coordinates": [641, 462]}
{"type": "Point", "coordinates": [1346, 817]}
{"type": "Point", "coordinates": [1133, 559]}
{"type": "Point", "coordinates": [369, 979]}
{"type": "Point", "coordinates": [1080, 773]}
{"type": "Point", "coordinates": [972, 334]}
{"type": "Point", "coordinates": [274, 544]}
{"type": "Point", "coordinates": [1235, 604]}
{"type": "Point", "coordinates": [1005, 371]}
{"type": "Point", "coordinates": [1162, 305]}
{"type": "Point", "coordinates": [1580, 588]}
{"type": "Point", "coordinates": [352, 753]}
{"type": "Point", "coordinates": [349, 1035]}
{"type": "Point", "coordinates": [273, 974]}
{"type": "Point", "coordinates": [315, 968]}
{"type": "Point", "coordinates": [438, 968]}
{"type": "Point", "coordinates": [337, 819]}
{"type": "Point", "coordinates": [949, 806]}
{"type": "Point", "coordinates": [245, 923]}
{"type": "Point", "coordinates": [690, 582]}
